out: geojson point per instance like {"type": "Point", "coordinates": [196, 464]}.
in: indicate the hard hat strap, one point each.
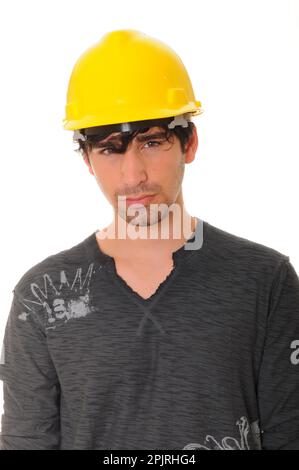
{"type": "Point", "coordinates": [103, 131]}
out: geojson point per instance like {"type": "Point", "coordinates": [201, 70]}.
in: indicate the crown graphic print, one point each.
{"type": "Point", "coordinates": [67, 299]}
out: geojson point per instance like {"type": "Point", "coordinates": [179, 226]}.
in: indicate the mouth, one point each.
{"type": "Point", "coordinates": [144, 199]}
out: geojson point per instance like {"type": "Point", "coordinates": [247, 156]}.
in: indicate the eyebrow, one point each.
{"type": "Point", "coordinates": [155, 135]}
{"type": "Point", "coordinates": [139, 138]}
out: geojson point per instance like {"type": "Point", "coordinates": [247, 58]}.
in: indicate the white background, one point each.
{"type": "Point", "coordinates": [242, 57]}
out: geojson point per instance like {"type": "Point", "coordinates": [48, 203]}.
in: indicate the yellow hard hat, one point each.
{"type": "Point", "coordinates": [127, 76]}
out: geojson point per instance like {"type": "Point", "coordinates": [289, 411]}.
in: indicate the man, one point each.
{"type": "Point", "coordinates": [189, 341]}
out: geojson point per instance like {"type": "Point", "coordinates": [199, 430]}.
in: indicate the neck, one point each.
{"type": "Point", "coordinates": [159, 239]}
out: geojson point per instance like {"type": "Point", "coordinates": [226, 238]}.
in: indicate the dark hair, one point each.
{"type": "Point", "coordinates": [182, 133]}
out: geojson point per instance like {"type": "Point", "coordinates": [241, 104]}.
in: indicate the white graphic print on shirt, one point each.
{"type": "Point", "coordinates": [231, 443]}
{"type": "Point", "coordinates": [64, 302]}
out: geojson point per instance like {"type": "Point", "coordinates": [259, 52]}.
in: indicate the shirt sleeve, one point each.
{"type": "Point", "coordinates": [31, 389]}
{"type": "Point", "coordinates": [278, 387]}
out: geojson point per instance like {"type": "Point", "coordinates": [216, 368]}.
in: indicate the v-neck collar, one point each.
{"type": "Point", "coordinates": [181, 256]}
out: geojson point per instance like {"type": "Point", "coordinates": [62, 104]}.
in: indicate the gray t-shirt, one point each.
{"type": "Point", "coordinates": [209, 361]}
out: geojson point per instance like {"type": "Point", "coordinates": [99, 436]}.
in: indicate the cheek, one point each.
{"type": "Point", "coordinates": [106, 177]}
{"type": "Point", "coordinates": [169, 169]}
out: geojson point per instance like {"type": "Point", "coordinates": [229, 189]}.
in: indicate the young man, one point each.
{"type": "Point", "coordinates": [189, 341]}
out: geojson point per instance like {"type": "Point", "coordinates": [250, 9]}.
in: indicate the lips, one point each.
{"type": "Point", "coordinates": [145, 199]}
{"type": "Point", "coordinates": [139, 197]}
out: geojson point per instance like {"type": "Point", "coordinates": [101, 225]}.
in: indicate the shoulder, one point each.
{"type": "Point", "coordinates": [242, 254]}
{"type": "Point", "coordinates": [52, 271]}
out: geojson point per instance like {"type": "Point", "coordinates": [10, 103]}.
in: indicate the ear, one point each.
{"type": "Point", "coordinates": [87, 161]}
{"type": "Point", "coordinates": [191, 146]}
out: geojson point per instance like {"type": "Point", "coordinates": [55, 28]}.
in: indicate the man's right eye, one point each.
{"type": "Point", "coordinates": [110, 150]}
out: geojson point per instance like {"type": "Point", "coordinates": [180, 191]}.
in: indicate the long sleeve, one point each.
{"type": "Point", "coordinates": [278, 388]}
{"type": "Point", "coordinates": [31, 389]}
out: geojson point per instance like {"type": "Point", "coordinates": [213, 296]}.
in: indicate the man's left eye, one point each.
{"type": "Point", "coordinates": [153, 142]}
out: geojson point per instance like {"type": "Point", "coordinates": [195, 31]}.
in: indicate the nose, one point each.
{"type": "Point", "coordinates": [133, 169]}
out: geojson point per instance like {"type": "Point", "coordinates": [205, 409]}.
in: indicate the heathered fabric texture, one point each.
{"type": "Point", "coordinates": [209, 361]}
